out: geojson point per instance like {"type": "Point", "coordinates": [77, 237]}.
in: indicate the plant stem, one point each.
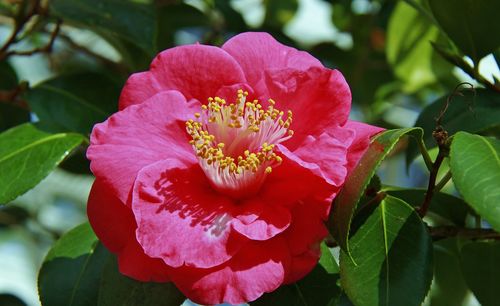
{"type": "Point", "coordinates": [443, 181]}
{"type": "Point", "coordinates": [432, 182]}
{"type": "Point", "coordinates": [442, 232]}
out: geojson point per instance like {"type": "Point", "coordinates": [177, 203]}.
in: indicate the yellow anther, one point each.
{"type": "Point", "coordinates": [269, 170]}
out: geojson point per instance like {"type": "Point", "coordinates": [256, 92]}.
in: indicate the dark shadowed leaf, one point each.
{"type": "Point", "coordinates": [392, 253]}
{"type": "Point", "coordinates": [10, 114]}
{"type": "Point", "coordinates": [279, 12]}
{"type": "Point", "coordinates": [481, 269]}
{"type": "Point", "coordinates": [409, 49]}
{"type": "Point", "coordinates": [470, 113]}
{"type": "Point", "coordinates": [127, 19]}
{"type": "Point", "coordinates": [318, 288]}
{"type": "Point", "coordinates": [116, 289]}
{"type": "Point", "coordinates": [442, 204]}
{"type": "Point", "coordinates": [451, 288]}
{"type": "Point", "coordinates": [346, 201]}
{"type": "Point", "coordinates": [27, 155]}
{"type": "Point", "coordinates": [475, 168]}
{"type": "Point", "coordinates": [173, 17]}
{"type": "Point", "coordinates": [467, 21]}
{"type": "Point", "coordinates": [74, 102]}
{"type": "Point", "coordinates": [70, 273]}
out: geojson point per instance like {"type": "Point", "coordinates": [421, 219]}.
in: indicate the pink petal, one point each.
{"type": "Point", "coordinates": [197, 71]}
{"type": "Point", "coordinates": [290, 183]}
{"type": "Point", "coordinates": [133, 263]}
{"type": "Point", "coordinates": [360, 144]}
{"type": "Point", "coordinates": [138, 88]}
{"type": "Point", "coordinates": [326, 156]}
{"type": "Point", "coordinates": [319, 98]}
{"type": "Point", "coordinates": [181, 219]}
{"type": "Point", "coordinates": [308, 228]}
{"type": "Point", "coordinates": [139, 136]}
{"type": "Point", "coordinates": [258, 268]}
{"type": "Point", "coordinates": [258, 52]}
{"type": "Point", "coordinates": [301, 265]}
{"type": "Point", "coordinates": [272, 220]}
{"type": "Point", "coordinates": [114, 225]}
{"type": "Point", "coordinates": [111, 220]}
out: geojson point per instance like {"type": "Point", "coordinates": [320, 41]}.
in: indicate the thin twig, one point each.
{"type": "Point", "coordinates": [44, 49]}
{"type": "Point", "coordinates": [442, 232]}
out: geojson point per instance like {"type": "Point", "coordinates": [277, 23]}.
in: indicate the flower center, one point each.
{"type": "Point", "coordinates": [235, 142]}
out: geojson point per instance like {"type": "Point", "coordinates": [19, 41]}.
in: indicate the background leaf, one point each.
{"type": "Point", "coordinates": [73, 103]}
{"type": "Point", "coordinates": [480, 263]}
{"type": "Point", "coordinates": [392, 253]}
{"type": "Point", "coordinates": [346, 201]}
{"type": "Point", "coordinates": [27, 155]}
{"type": "Point", "coordinates": [475, 168]}
{"type": "Point", "coordinates": [127, 19]}
{"type": "Point", "coordinates": [10, 114]}
{"type": "Point", "coordinates": [467, 21]}
{"type": "Point", "coordinates": [409, 49]}
{"type": "Point", "coordinates": [470, 113]}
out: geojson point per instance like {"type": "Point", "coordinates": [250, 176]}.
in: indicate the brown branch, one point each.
{"type": "Point", "coordinates": [44, 49]}
{"type": "Point", "coordinates": [442, 232]}
{"type": "Point", "coordinates": [14, 96]}
{"type": "Point", "coordinates": [19, 23]}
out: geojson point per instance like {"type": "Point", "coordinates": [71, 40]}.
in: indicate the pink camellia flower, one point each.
{"type": "Point", "coordinates": [219, 169]}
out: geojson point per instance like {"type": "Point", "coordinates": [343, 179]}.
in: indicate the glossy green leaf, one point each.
{"type": "Point", "coordinates": [442, 204]}
{"type": "Point", "coordinates": [27, 155]}
{"type": "Point", "coordinates": [409, 49]}
{"type": "Point", "coordinates": [346, 201]}
{"type": "Point", "coordinates": [74, 102]}
{"type": "Point", "coordinates": [116, 289]}
{"type": "Point", "coordinates": [71, 272]}
{"type": "Point", "coordinates": [466, 22]}
{"type": "Point", "coordinates": [127, 19]}
{"type": "Point", "coordinates": [449, 284]}
{"type": "Point", "coordinates": [469, 113]}
{"type": "Point", "coordinates": [475, 168]}
{"type": "Point", "coordinates": [480, 263]}
{"type": "Point", "coordinates": [392, 253]}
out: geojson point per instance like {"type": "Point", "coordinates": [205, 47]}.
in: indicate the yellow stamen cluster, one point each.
{"type": "Point", "coordinates": [242, 121]}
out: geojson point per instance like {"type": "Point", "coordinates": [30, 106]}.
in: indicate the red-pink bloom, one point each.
{"type": "Point", "coordinates": [219, 169]}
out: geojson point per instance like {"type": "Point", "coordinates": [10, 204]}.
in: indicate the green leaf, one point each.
{"type": "Point", "coordinates": [480, 263]}
{"type": "Point", "coordinates": [466, 22]}
{"type": "Point", "coordinates": [127, 19]}
{"type": "Point", "coordinates": [449, 285]}
{"type": "Point", "coordinates": [73, 103]}
{"type": "Point", "coordinates": [409, 49]}
{"type": "Point", "coordinates": [116, 289]}
{"type": "Point", "coordinates": [8, 77]}
{"type": "Point", "coordinates": [279, 12]}
{"type": "Point", "coordinates": [475, 168]}
{"type": "Point", "coordinates": [392, 253]}
{"type": "Point", "coordinates": [469, 113]}
{"type": "Point", "coordinates": [10, 115]}
{"type": "Point", "coordinates": [327, 261]}
{"type": "Point", "coordinates": [442, 204]}
{"type": "Point", "coordinates": [175, 16]}
{"type": "Point", "coordinates": [70, 273]}
{"type": "Point", "coordinates": [346, 201]}
{"type": "Point", "coordinates": [27, 155]}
